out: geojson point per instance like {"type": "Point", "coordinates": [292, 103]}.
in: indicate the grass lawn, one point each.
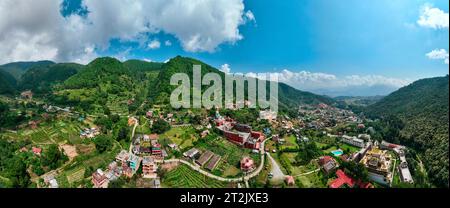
{"type": "Point", "coordinates": [182, 136]}
{"type": "Point", "coordinates": [289, 164]}
{"type": "Point", "coordinates": [311, 181]}
{"type": "Point", "coordinates": [184, 177]}
{"type": "Point", "coordinates": [291, 142]}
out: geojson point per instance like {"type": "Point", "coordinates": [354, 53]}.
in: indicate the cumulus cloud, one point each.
{"type": "Point", "coordinates": [249, 16]}
{"type": "Point", "coordinates": [154, 44]}
{"type": "Point", "coordinates": [168, 43]}
{"type": "Point", "coordinates": [433, 18]}
{"type": "Point", "coordinates": [439, 54]}
{"type": "Point", "coordinates": [33, 30]}
{"type": "Point", "coordinates": [225, 68]}
{"type": "Point", "coordinates": [332, 85]}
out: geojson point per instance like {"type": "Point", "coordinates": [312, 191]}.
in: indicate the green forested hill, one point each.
{"type": "Point", "coordinates": [423, 109]}
{"type": "Point", "coordinates": [142, 66]}
{"type": "Point", "coordinates": [289, 98]}
{"type": "Point", "coordinates": [7, 83]}
{"type": "Point", "coordinates": [41, 79]}
{"type": "Point", "coordinates": [17, 69]}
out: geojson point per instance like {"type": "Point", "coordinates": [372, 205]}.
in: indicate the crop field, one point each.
{"type": "Point", "coordinates": [75, 175]}
{"type": "Point", "coordinates": [231, 155]}
{"type": "Point", "coordinates": [184, 177]}
{"type": "Point", "coordinates": [49, 133]}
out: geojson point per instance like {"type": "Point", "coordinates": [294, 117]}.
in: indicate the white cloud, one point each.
{"type": "Point", "coordinates": [439, 54]}
{"type": "Point", "coordinates": [225, 68]}
{"type": "Point", "coordinates": [433, 18]}
{"type": "Point", "coordinates": [34, 30]}
{"type": "Point", "coordinates": [154, 44]}
{"type": "Point", "coordinates": [333, 85]}
{"type": "Point", "coordinates": [249, 16]}
{"type": "Point", "coordinates": [168, 43]}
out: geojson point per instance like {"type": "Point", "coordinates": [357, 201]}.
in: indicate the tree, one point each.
{"type": "Point", "coordinates": [117, 183]}
{"type": "Point", "coordinates": [104, 122]}
{"type": "Point", "coordinates": [17, 172]}
{"type": "Point", "coordinates": [123, 134]}
{"type": "Point", "coordinates": [307, 152]}
{"type": "Point", "coordinates": [102, 143]}
{"type": "Point", "coordinates": [53, 157]}
{"type": "Point", "coordinates": [160, 126]}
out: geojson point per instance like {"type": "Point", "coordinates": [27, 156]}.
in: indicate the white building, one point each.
{"type": "Point", "coordinates": [353, 141]}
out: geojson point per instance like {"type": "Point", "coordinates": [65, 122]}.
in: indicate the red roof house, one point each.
{"type": "Point", "coordinates": [36, 150]}
{"type": "Point", "coordinates": [342, 179]}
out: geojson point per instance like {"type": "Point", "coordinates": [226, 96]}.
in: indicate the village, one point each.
{"type": "Point", "coordinates": [218, 151]}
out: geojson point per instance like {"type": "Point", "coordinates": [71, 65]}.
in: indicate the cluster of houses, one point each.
{"type": "Point", "coordinates": [374, 156]}
{"type": "Point", "coordinates": [240, 134]}
{"type": "Point", "coordinates": [126, 164]}
{"type": "Point", "coordinates": [54, 109]}
{"type": "Point", "coordinates": [323, 116]}
{"type": "Point", "coordinates": [377, 160]}
{"type": "Point", "coordinates": [89, 133]}
{"type": "Point", "coordinates": [26, 94]}
{"type": "Point", "coordinates": [144, 144]}
{"type": "Point", "coordinates": [329, 165]}
{"type": "Point", "coordinates": [168, 117]}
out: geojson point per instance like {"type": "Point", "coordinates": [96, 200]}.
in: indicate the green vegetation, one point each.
{"type": "Point", "coordinates": [184, 177]}
{"type": "Point", "coordinates": [103, 143]}
{"type": "Point", "coordinates": [18, 68]}
{"type": "Point", "coordinates": [40, 80]}
{"type": "Point", "coordinates": [160, 126]}
{"type": "Point", "coordinates": [417, 116]}
{"type": "Point", "coordinates": [7, 83]}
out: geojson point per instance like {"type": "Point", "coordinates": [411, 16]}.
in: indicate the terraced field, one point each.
{"type": "Point", "coordinates": [184, 177]}
{"type": "Point", "coordinates": [49, 133]}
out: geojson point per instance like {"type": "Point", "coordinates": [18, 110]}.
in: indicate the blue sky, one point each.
{"type": "Point", "coordinates": [353, 40]}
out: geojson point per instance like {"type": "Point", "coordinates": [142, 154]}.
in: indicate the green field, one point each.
{"type": "Point", "coordinates": [290, 143]}
{"type": "Point", "coordinates": [54, 133]}
{"type": "Point", "coordinates": [184, 137]}
{"type": "Point", "coordinates": [184, 177]}
{"type": "Point", "coordinates": [231, 155]}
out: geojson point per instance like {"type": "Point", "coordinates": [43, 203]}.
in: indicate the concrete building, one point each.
{"type": "Point", "coordinates": [353, 141]}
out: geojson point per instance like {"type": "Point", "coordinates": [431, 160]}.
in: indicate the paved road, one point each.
{"type": "Point", "coordinates": [240, 179]}
{"type": "Point", "coordinates": [278, 175]}
{"type": "Point", "coordinates": [136, 124]}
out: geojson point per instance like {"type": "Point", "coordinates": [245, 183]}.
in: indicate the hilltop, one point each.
{"type": "Point", "coordinates": [422, 108]}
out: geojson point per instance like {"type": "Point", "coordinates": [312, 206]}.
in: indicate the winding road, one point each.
{"type": "Point", "coordinates": [240, 179]}
{"type": "Point", "coordinates": [136, 124]}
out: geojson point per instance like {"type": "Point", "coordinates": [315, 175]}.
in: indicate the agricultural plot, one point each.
{"type": "Point", "coordinates": [289, 163]}
{"type": "Point", "coordinates": [231, 155]}
{"type": "Point", "coordinates": [313, 180]}
{"type": "Point", "coordinates": [184, 177]}
{"type": "Point", "coordinates": [290, 142]}
{"type": "Point", "coordinates": [182, 136]}
{"type": "Point", "coordinates": [50, 133]}
{"type": "Point", "coordinates": [75, 175]}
